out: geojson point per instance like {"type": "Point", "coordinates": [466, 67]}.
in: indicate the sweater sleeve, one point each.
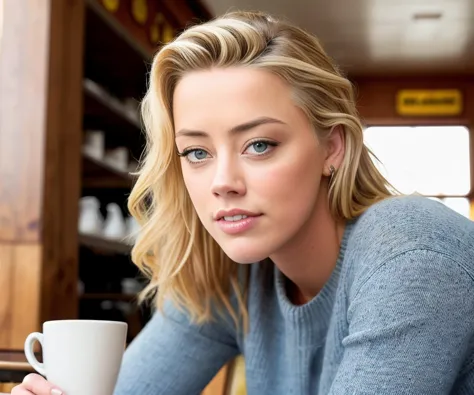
{"type": "Point", "coordinates": [410, 324]}
{"type": "Point", "coordinates": [171, 355]}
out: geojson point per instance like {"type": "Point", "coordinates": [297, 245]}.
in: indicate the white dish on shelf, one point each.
{"type": "Point", "coordinates": [90, 218]}
{"type": "Point", "coordinates": [114, 225]}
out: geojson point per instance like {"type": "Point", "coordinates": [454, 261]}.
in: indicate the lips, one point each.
{"type": "Point", "coordinates": [238, 224]}
{"type": "Point", "coordinates": [234, 215]}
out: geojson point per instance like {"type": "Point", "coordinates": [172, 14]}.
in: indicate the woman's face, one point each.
{"type": "Point", "coordinates": [251, 161]}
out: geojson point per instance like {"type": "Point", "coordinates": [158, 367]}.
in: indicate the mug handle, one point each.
{"type": "Point", "coordinates": [29, 353]}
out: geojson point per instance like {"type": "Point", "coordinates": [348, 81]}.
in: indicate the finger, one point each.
{"type": "Point", "coordinates": [37, 385]}
{"type": "Point", "coordinates": [20, 390]}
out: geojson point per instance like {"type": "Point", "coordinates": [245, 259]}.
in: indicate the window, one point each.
{"type": "Point", "coordinates": [430, 160]}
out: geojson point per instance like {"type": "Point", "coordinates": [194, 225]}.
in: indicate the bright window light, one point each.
{"type": "Point", "coordinates": [460, 205]}
{"type": "Point", "coordinates": [430, 160]}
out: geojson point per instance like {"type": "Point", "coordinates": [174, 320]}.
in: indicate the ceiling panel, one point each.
{"type": "Point", "coordinates": [375, 36]}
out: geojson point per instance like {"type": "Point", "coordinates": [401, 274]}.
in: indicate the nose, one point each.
{"type": "Point", "coordinates": [228, 178]}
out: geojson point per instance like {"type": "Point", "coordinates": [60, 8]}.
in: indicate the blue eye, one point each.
{"type": "Point", "coordinates": [199, 154]}
{"type": "Point", "coordinates": [260, 147]}
{"type": "Point", "coordinates": [194, 155]}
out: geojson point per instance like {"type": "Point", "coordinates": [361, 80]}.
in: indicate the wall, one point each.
{"type": "Point", "coordinates": [376, 98]}
{"type": "Point", "coordinates": [376, 101]}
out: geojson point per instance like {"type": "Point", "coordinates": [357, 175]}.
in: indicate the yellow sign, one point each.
{"type": "Point", "coordinates": [443, 102]}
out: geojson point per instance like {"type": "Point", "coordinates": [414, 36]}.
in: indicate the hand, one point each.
{"type": "Point", "coordinates": [34, 384]}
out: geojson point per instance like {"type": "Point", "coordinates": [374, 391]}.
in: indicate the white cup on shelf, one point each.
{"type": "Point", "coordinates": [90, 218]}
{"type": "Point", "coordinates": [80, 356]}
{"type": "Point", "coordinates": [114, 226]}
{"type": "Point", "coordinates": [94, 144]}
{"type": "Point", "coordinates": [131, 286]}
{"type": "Point", "coordinates": [117, 158]}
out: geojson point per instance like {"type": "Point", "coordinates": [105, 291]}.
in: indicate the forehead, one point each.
{"type": "Point", "coordinates": [226, 96]}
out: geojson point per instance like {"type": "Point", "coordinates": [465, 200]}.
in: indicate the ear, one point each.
{"type": "Point", "coordinates": [335, 149]}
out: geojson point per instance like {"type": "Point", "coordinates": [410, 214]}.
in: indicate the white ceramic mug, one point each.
{"type": "Point", "coordinates": [80, 356]}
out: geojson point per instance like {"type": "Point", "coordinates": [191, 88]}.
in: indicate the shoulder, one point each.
{"type": "Point", "coordinates": [408, 225]}
{"type": "Point", "coordinates": [400, 224]}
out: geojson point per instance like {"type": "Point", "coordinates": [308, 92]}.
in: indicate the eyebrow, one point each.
{"type": "Point", "coordinates": [236, 129]}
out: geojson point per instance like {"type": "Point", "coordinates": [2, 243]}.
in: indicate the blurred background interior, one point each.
{"type": "Point", "coordinates": [72, 73]}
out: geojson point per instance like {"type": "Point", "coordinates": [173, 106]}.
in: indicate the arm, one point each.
{"type": "Point", "coordinates": [173, 356]}
{"type": "Point", "coordinates": [409, 327]}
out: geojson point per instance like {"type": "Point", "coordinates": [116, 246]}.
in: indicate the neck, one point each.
{"type": "Point", "coordinates": [309, 259]}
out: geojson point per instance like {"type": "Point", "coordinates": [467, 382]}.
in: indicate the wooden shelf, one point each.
{"type": "Point", "coordinates": [103, 111]}
{"type": "Point", "coordinates": [99, 174]}
{"type": "Point", "coordinates": [105, 245]}
{"type": "Point", "coordinates": [114, 57]}
{"type": "Point", "coordinates": [118, 29]}
{"type": "Point", "coordinates": [109, 296]}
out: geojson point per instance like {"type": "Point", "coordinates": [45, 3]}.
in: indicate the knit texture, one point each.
{"type": "Point", "coordinates": [395, 317]}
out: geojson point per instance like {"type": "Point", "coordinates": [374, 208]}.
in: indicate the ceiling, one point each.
{"type": "Point", "coordinates": [381, 36]}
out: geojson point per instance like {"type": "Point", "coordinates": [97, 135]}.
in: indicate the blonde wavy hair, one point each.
{"type": "Point", "coordinates": [180, 257]}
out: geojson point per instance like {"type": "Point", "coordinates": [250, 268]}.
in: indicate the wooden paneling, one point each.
{"type": "Point", "coordinates": [376, 98]}
{"type": "Point", "coordinates": [23, 98]}
{"type": "Point", "coordinates": [20, 270]}
{"type": "Point", "coordinates": [40, 140]}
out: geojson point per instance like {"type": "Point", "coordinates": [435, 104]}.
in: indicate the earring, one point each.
{"type": "Point", "coordinates": [332, 172]}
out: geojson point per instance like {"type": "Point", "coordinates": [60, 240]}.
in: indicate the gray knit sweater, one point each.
{"type": "Point", "coordinates": [396, 317]}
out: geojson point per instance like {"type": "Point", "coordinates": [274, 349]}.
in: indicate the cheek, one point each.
{"type": "Point", "coordinates": [291, 185]}
{"type": "Point", "coordinates": [195, 189]}
{"type": "Point", "coordinates": [198, 190]}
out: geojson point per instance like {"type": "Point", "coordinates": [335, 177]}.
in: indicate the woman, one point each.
{"type": "Point", "coordinates": [255, 157]}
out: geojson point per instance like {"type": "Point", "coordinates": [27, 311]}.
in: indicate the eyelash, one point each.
{"type": "Point", "coordinates": [268, 142]}
{"type": "Point", "coordinates": [187, 151]}
{"type": "Point", "coordinates": [184, 154]}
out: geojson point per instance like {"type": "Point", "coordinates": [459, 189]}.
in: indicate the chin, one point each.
{"type": "Point", "coordinates": [245, 254]}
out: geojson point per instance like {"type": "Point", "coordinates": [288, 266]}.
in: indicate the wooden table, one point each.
{"type": "Point", "coordinates": [13, 367]}
{"type": "Point", "coordinates": [16, 366]}
{"type": "Point", "coordinates": [13, 364]}
{"type": "Point", "coordinates": [14, 361]}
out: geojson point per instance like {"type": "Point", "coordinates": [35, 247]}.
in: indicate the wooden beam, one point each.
{"type": "Point", "coordinates": [63, 159]}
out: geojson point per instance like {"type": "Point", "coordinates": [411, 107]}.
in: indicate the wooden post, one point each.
{"type": "Point", "coordinates": [40, 139]}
